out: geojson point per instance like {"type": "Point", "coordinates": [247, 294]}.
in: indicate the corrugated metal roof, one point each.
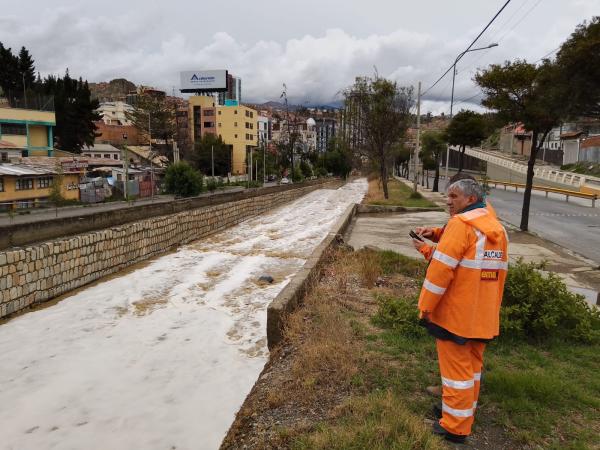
{"type": "Point", "coordinates": [19, 170]}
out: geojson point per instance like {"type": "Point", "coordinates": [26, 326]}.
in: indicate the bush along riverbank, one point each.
{"type": "Point", "coordinates": [352, 371]}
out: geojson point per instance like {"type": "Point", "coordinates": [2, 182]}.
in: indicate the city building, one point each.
{"type": "Point", "coordinates": [104, 151]}
{"type": "Point", "coordinates": [29, 131]}
{"type": "Point", "coordinates": [325, 131]}
{"type": "Point", "coordinates": [115, 113]}
{"type": "Point", "coordinates": [233, 95]}
{"type": "Point", "coordinates": [28, 184]}
{"type": "Point", "coordinates": [236, 124]}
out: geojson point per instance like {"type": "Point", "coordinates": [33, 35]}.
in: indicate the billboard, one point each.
{"type": "Point", "coordinates": [204, 81]}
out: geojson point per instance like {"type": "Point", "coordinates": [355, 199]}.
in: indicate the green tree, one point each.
{"type": "Point", "coordinates": [26, 67]}
{"type": "Point", "coordinates": [10, 78]}
{"type": "Point", "coordinates": [578, 63]}
{"type": "Point", "coordinates": [401, 159]}
{"type": "Point", "coordinates": [383, 108]}
{"type": "Point", "coordinates": [75, 112]}
{"type": "Point", "coordinates": [433, 145]}
{"type": "Point", "coordinates": [212, 148]}
{"type": "Point", "coordinates": [528, 94]}
{"type": "Point", "coordinates": [467, 128]}
{"type": "Point", "coordinates": [182, 180]}
{"type": "Point", "coordinates": [162, 112]}
{"type": "Point", "coordinates": [337, 159]}
{"type": "Point", "coordinates": [306, 169]}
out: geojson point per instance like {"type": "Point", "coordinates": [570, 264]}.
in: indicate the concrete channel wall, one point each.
{"type": "Point", "coordinates": [45, 270]}
{"type": "Point", "coordinates": [289, 298]}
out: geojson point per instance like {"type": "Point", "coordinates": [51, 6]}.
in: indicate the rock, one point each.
{"type": "Point", "coordinates": [266, 279]}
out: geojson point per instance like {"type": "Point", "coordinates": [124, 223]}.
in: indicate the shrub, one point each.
{"type": "Point", "coordinates": [539, 306]}
{"type": "Point", "coordinates": [297, 175]}
{"type": "Point", "coordinates": [321, 172]}
{"type": "Point", "coordinates": [211, 184]}
{"type": "Point", "coordinates": [415, 195]}
{"type": "Point", "coordinates": [400, 314]}
{"type": "Point", "coordinates": [306, 169]}
{"type": "Point", "coordinates": [182, 180]}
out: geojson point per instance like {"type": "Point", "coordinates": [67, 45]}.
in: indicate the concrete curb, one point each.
{"type": "Point", "coordinates": [289, 298]}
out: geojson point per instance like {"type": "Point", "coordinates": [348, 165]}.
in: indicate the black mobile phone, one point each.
{"type": "Point", "coordinates": [415, 236]}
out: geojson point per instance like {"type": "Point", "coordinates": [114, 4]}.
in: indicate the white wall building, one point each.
{"type": "Point", "coordinates": [114, 113]}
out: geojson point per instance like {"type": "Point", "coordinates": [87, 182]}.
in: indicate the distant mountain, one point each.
{"type": "Point", "coordinates": [113, 90]}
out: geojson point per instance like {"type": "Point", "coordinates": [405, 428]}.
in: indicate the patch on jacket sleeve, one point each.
{"type": "Point", "coordinates": [489, 275]}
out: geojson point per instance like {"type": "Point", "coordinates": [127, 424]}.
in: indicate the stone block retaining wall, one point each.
{"type": "Point", "coordinates": [46, 270]}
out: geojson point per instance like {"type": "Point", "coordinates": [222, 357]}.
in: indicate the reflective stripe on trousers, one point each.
{"type": "Point", "coordinates": [460, 368]}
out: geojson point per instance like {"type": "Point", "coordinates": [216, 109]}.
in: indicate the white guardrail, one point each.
{"type": "Point", "coordinates": [543, 172]}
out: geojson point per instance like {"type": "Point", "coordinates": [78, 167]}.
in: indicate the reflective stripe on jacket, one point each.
{"type": "Point", "coordinates": [463, 286]}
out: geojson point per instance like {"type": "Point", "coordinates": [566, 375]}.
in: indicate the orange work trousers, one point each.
{"type": "Point", "coordinates": [460, 367]}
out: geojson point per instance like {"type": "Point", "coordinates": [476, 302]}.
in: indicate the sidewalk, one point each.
{"type": "Point", "coordinates": [390, 232]}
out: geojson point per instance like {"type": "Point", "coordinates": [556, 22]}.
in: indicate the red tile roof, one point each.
{"type": "Point", "coordinates": [593, 141]}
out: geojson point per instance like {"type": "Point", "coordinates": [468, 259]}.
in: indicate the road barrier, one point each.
{"type": "Point", "coordinates": [565, 192]}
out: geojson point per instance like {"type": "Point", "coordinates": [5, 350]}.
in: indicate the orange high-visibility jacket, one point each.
{"type": "Point", "coordinates": [427, 250]}
{"type": "Point", "coordinates": [465, 280]}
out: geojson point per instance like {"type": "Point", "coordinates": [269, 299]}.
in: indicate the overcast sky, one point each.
{"type": "Point", "coordinates": [316, 47]}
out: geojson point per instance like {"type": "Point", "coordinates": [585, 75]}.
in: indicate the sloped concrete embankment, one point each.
{"type": "Point", "coordinates": [289, 298]}
{"type": "Point", "coordinates": [46, 270]}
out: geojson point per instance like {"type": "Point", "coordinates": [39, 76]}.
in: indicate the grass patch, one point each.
{"type": "Point", "coordinates": [360, 363]}
{"type": "Point", "coordinates": [399, 195]}
{"type": "Point", "coordinates": [375, 421]}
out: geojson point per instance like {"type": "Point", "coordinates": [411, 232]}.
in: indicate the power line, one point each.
{"type": "Point", "coordinates": [521, 20]}
{"type": "Point", "coordinates": [469, 47]}
{"type": "Point", "coordinates": [547, 54]}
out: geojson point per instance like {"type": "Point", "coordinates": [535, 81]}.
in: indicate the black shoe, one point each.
{"type": "Point", "coordinates": [441, 431]}
{"type": "Point", "coordinates": [437, 411]}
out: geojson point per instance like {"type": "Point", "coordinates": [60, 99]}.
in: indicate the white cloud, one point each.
{"type": "Point", "coordinates": [147, 47]}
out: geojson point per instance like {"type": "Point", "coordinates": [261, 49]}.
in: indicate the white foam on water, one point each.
{"type": "Point", "coordinates": [163, 356]}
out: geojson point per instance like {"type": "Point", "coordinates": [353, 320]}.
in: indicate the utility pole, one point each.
{"type": "Point", "coordinates": [264, 161]}
{"type": "Point", "coordinates": [151, 158]}
{"type": "Point", "coordinates": [212, 159]}
{"type": "Point", "coordinates": [452, 95]}
{"type": "Point", "coordinates": [416, 155]}
{"type": "Point", "coordinates": [126, 167]}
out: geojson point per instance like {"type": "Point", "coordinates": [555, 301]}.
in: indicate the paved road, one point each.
{"type": "Point", "coordinates": [573, 225]}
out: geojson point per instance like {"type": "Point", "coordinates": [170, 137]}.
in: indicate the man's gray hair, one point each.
{"type": "Point", "coordinates": [468, 188]}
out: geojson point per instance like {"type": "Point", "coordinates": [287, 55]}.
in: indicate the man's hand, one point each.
{"type": "Point", "coordinates": [418, 244]}
{"type": "Point", "coordinates": [426, 232]}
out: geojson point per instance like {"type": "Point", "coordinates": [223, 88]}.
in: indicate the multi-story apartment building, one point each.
{"type": "Point", "coordinates": [237, 125]}
{"type": "Point", "coordinates": [325, 130]}
{"type": "Point", "coordinates": [29, 131]}
{"type": "Point", "coordinates": [115, 113]}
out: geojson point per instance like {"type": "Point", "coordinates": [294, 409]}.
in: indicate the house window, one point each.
{"type": "Point", "coordinates": [24, 184]}
{"type": "Point", "coordinates": [208, 112]}
{"type": "Point", "coordinates": [4, 156]}
{"type": "Point", "coordinates": [43, 183]}
{"type": "Point", "coordinates": [235, 136]}
{"type": "Point", "coordinates": [235, 112]}
{"type": "Point", "coordinates": [220, 124]}
{"type": "Point", "coordinates": [1, 184]}
{"type": "Point", "coordinates": [107, 156]}
{"type": "Point", "coordinates": [209, 124]}
{"type": "Point", "coordinates": [235, 124]}
{"type": "Point", "coordinates": [115, 156]}
{"type": "Point", "coordinates": [219, 112]}
{"type": "Point", "coordinates": [14, 129]}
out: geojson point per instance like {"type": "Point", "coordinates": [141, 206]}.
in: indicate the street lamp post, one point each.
{"type": "Point", "coordinates": [452, 95]}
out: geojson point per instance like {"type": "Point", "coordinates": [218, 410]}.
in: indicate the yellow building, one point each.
{"type": "Point", "coordinates": [29, 130]}
{"type": "Point", "coordinates": [236, 124]}
{"type": "Point", "coordinates": [28, 186]}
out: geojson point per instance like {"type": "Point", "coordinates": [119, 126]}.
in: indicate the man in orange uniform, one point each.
{"type": "Point", "coordinates": [460, 302]}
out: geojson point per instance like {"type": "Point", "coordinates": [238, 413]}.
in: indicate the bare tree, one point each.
{"type": "Point", "coordinates": [384, 111]}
